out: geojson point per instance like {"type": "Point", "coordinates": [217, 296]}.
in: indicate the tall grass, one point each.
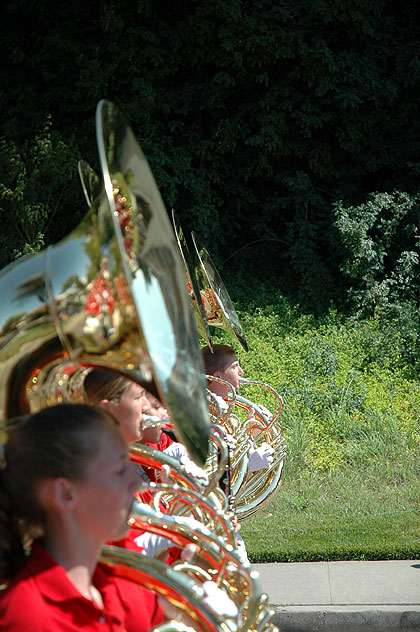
{"type": "Point", "coordinates": [351, 484]}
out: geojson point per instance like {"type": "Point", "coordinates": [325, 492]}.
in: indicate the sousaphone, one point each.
{"type": "Point", "coordinates": [191, 280]}
{"type": "Point", "coordinates": [111, 294]}
{"type": "Point", "coordinates": [218, 306]}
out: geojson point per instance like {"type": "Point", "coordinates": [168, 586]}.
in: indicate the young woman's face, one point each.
{"type": "Point", "coordinates": [128, 410]}
{"type": "Point", "coordinates": [154, 408]}
{"type": "Point", "coordinates": [105, 495]}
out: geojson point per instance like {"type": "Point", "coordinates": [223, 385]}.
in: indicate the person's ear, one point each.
{"type": "Point", "coordinates": [59, 493]}
{"type": "Point", "coordinates": [104, 403]}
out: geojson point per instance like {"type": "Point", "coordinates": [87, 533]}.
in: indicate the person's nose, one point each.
{"type": "Point", "coordinates": [241, 371]}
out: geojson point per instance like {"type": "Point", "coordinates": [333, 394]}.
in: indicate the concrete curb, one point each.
{"type": "Point", "coordinates": [347, 618]}
{"type": "Point", "coordinates": [376, 596]}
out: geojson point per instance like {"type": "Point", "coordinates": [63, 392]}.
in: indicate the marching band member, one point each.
{"type": "Point", "coordinates": [66, 487]}
{"type": "Point", "coordinates": [127, 401]}
{"type": "Point", "coordinates": [158, 438]}
{"type": "Point", "coordinates": [121, 397]}
{"type": "Point", "coordinates": [224, 364]}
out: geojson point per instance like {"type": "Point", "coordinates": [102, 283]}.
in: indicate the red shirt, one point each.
{"type": "Point", "coordinates": [41, 598]}
{"type": "Point", "coordinates": [164, 443]}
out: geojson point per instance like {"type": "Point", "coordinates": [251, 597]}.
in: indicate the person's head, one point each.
{"type": "Point", "coordinates": [66, 469]}
{"type": "Point", "coordinates": [122, 397]}
{"type": "Point", "coordinates": [153, 408]}
{"type": "Point", "coordinates": [222, 363]}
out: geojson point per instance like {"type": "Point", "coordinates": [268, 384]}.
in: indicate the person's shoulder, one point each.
{"type": "Point", "coordinates": [21, 605]}
{"type": "Point", "coordinates": [164, 442]}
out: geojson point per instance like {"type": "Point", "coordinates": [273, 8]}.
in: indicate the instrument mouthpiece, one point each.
{"type": "Point", "coordinates": [151, 421]}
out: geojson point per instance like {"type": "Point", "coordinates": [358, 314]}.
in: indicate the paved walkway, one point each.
{"type": "Point", "coordinates": [343, 596]}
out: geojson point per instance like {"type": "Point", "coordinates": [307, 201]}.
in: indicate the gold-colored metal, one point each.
{"type": "Point", "coordinates": [111, 294]}
{"type": "Point", "coordinates": [213, 559]}
{"type": "Point", "coordinates": [218, 306]}
{"type": "Point", "coordinates": [251, 490]}
{"type": "Point", "coordinates": [156, 276]}
{"type": "Point", "coordinates": [183, 592]}
{"type": "Point", "coordinates": [190, 277]}
{"type": "Point", "coordinates": [91, 184]}
{"type": "Point", "coordinates": [184, 588]}
{"type": "Point", "coordinates": [205, 503]}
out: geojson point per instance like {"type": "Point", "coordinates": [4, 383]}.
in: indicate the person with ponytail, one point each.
{"type": "Point", "coordinates": [67, 487]}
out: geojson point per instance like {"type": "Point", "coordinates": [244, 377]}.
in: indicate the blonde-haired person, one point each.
{"type": "Point", "coordinates": [121, 397]}
{"type": "Point", "coordinates": [128, 401]}
{"type": "Point", "coordinates": [66, 487]}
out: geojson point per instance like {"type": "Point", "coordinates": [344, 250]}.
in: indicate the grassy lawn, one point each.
{"type": "Point", "coordinates": [348, 514]}
{"type": "Point", "coordinates": [351, 418]}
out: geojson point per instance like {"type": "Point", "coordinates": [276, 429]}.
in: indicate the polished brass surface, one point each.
{"type": "Point", "coordinates": [213, 560]}
{"type": "Point", "coordinates": [68, 307]}
{"type": "Point", "coordinates": [251, 491]}
{"type": "Point", "coordinates": [218, 306]}
{"type": "Point", "coordinates": [156, 276]}
{"type": "Point", "coordinates": [190, 277]}
{"type": "Point", "coordinates": [183, 592]}
{"type": "Point", "coordinates": [91, 184]}
{"type": "Point", "coordinates": [111, 294]}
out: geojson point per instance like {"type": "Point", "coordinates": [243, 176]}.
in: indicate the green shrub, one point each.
{"type": "Point", "coordinates": [38, 184]}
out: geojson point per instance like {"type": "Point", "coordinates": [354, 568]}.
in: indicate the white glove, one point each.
{"type": "Point", "coordinates": [191, 468]}
{"type": "Point", "coordinates": [152, 544]}
{"type": "Point", "coordinates": [260, 458]}
{"type": "Point", "coordinates": [222, 403]}
{"type": "Point", "coordinates": [218, 601]}
{"type": "Point", "coordinates": [214, 598]}
{"type": "Point", "coordinates": [177, 450]}
{"type": "Point", "coordinates": [241, 550]}
{"type": "Point", "coordinates": [230, 440]}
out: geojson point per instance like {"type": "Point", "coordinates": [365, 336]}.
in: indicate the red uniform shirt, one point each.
{"type": "Point", "coordinates": [164, 443]}
{"type": "Point", "coordinates": [41, 598]}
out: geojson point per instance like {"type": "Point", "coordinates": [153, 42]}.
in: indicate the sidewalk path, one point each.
{"type": "Point", "coordinates": [343, 596]}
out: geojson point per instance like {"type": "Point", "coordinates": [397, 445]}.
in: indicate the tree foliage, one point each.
{"type": "Point", "coordinates": [256, 117]}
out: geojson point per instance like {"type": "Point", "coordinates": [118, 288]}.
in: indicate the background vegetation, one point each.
{"type": "Point", "coordinates": [351, 483]}
{"type": "Point", "coordinates": [266, 123]}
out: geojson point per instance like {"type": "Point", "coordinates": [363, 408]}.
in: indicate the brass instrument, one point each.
{"type": "Point", "coordinates": [218, 306]}
{"type": "Point", "coordinates": [191, 280]}
{"type": "Point", "coordinates": [213, 560]}
{"type": "Point", "coordinates": [263, 419]}
{"type": "Point", "coordinates": [187, 593]}
{"type": "Point", "coordinates": [91, 184]}
{"type": "Point", "coordinates": [112, 294]}
{"type": "Point", "coordinates": [252, 490]}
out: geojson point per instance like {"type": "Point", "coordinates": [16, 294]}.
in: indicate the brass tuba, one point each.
{"type": "Point", "coordinates": [218, 306]}
{"type": "Point", "coordinates": [191, 279]}
{"type": "Point", "coordinates": [251, 490]}
{"type": "Point", "coordinates": [111, 294]}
